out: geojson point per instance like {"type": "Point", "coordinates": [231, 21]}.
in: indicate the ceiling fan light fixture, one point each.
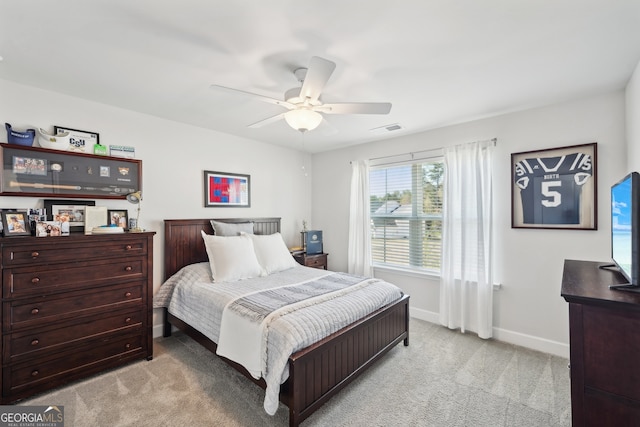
{"type": "Point", "coordinates": [303, 119]}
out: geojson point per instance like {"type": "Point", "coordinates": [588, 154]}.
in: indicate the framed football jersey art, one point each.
{"type": "Point", "coordinates": [555, 188]}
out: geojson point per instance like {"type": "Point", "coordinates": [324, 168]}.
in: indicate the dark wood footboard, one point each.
{"type": "Point", "coordinates": [321, 370]}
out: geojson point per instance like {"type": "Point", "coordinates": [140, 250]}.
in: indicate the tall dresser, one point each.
{"type": "Point", "coordinates": [73, 306]}
{"type": "Point", "coordinates": [605, 346]}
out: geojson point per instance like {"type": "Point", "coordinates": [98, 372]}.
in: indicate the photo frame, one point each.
{"type": "Point", "coordinates": [51, 229]}
{"type": "Point", "coordinates": [15, 223]}
{"type": "Point", "coordinates": [555, 188]}
{"type": "Point", "coordinates": [118, 218]}
{"type": "Point", "coordinates": [41, 172]}
{"type": "Point", "coordinates": [35, 215]}
{"type": "Point", "coordinates": [225, 189]}
{"type": "Point", "coordinates": [79, 140]}
{"type": "Point", "coordinates": [72, 211]}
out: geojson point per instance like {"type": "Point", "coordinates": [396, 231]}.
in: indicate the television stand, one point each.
{"type": "Point", "coordinates": [630, 287]}
{"type": "Point", "coordinates": [603, 331]}
{"type": "Point", "coordinates": [609, 267]}
{"type": "Point", "coordinates": [625, 287]}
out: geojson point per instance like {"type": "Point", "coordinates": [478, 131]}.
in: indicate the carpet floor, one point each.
{"type": "Point", "coordinates": [444, 378]}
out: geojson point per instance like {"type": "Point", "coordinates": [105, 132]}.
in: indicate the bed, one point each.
{"type": "Point", "coordinates": [322, 369]}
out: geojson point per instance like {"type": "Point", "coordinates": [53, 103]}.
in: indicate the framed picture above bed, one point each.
{"type": "Point", "coordinates": [555, 188]}
{"type": "Point", "coordinates": [225, 189]}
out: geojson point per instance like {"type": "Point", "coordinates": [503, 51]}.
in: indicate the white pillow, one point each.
{"type": "Point", "coordinates": [272, 252]}
{"type": "Point", "coordinates": [231, 257]}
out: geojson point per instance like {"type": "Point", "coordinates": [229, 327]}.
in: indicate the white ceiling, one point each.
{"type": "Point", "coordinates": [437, 61]}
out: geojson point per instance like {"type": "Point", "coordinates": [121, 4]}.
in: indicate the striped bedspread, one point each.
{"type": "Point", "coordinates": [330, 301]}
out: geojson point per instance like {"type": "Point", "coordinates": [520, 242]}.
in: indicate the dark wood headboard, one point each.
{"type": "Point", "coordinates": [183, 244]}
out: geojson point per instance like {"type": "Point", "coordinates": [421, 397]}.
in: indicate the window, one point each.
{"type": "Point", "coordinates": [406, 214]}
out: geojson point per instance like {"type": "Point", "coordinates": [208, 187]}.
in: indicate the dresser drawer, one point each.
{"type": "Point", "coordinates": [40, 311]}
{"type": "Point", "coordinates": [57, 250]}
{"type": "Point", "coordinates": [59, 337]}
{"type": "Point", "coordinates": [40, 280]}
{"type": "Point", "coordinates": [60, 370]}
{"type": "Point", "coordinates": [314, 261]}
{"type": "Point", "coordinates": [317, 261]}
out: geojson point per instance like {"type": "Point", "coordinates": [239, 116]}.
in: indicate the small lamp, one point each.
{"type": "Point", "coordinates": [136, 198]}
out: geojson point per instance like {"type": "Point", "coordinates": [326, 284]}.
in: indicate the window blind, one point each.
{"type": "Point", "coordinates": [406, 214]}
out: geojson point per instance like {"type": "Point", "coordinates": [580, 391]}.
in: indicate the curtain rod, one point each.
{"type": "Point", "coordinates": [413, 153]}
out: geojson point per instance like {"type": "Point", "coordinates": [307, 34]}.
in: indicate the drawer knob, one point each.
{"type": "Point", "coordinates": [127, 320]}
{"type": "Point", "coordinates": [127, 346]}
{"type": "Point", "coordinates": [35, 280]}
{"type": "Point", "coordinates": [35, 341]}
{"type": "Point", "coordinates": [127, 294]}
{"type": "Point", "coordinates": [35, 254]}
{"type": "Point", "coordinates": [35, 373]}
{"type": "Point", "coordinates": [128, 247]}
{"type": "Point", "coordinates": [35, 311]}
{"type": "Point", "coordinates": [128, 268]}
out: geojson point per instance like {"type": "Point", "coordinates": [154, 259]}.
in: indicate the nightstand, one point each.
{"type": "Point", "coordinates": [315, 261]}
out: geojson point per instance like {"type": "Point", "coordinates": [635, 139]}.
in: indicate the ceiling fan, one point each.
{"type": "Point", "coordinates": [304, 103]}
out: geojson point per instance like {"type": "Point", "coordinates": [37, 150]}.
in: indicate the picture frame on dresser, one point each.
{"type": "Point", "coordinates": [50, 229]}
{"type": "Point", "coordinates": [118, 218]}
{"type": "Point", "coordinates": [41, 172]}
{"type": "Point", "coordinates": [73, 209]}
{"type": "Point", "coordinates": [15, 223]}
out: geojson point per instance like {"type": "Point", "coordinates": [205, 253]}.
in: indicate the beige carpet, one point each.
{"type": "Point", "coordinates": [443, 378]}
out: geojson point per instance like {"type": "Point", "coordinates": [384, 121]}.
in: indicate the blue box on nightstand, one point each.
{"type": "Point", "coordinates": [314, 242]}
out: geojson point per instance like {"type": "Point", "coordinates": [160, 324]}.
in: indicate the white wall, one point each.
{"type": "Point", "coordinates": [173, 158]}
{"type": "Point", "coordinates": [633, 120]}
{"type": "Point", "coordinates": [528, 309]}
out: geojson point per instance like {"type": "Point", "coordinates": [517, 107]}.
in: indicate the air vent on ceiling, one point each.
{"type": "Point", "coordinates": [387, 128]}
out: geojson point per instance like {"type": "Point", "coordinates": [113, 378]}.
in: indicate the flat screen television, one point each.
{"type": "Point", "coordinates": [625, 230]}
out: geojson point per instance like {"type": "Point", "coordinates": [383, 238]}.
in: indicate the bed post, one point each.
{"type": "Point", "coordinates": [406, 323]}
{"type": "Point", "coordinates": [166, 330]}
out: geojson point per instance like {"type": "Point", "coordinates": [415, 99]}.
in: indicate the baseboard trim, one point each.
{"type": "Point", "coordinates": [535, 343]}
{"type": "Point", "coordinates": [511, 337]}
{"type": "Point", "coordinates": [427, 316]}
{"type": "Point", "coordinates": [158, 330]}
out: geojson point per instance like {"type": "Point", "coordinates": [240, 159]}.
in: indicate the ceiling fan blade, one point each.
{"type": "Point", "coordinates": [267, 121]}
{"type": "Point", "coordinates": [318, 74]}
{"type": "Point", "coordinates": [255, 95]}
{"type": "Point", "coordinates": [355, 108]}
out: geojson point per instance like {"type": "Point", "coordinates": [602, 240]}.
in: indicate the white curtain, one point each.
{"type": "Point", "coordinates": [466, 288]}
{"type": "Point", "coordinates": [359, 256]}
